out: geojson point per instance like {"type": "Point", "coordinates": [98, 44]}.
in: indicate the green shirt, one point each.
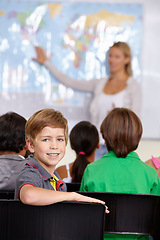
{"type": "Point", "coordinates": [120, 175]}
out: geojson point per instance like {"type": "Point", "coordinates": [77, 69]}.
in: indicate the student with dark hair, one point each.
{"type": "Point", "coordinates": [12, 149]}
{"type": "Point", "coordinates": [121, 170]}
{"type": "Point", "coordinates": [84, 140]}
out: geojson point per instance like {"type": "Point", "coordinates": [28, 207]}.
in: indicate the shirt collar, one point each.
{"type": "Point", "coordinates": [32, 162]}
{"type": "Point", "coordinates": [130, 155]}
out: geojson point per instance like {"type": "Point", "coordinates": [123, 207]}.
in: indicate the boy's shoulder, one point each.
{"type": "Point", "coordinates": [33, 174]}
{"type": "Point", "coordinates": [32, 165]}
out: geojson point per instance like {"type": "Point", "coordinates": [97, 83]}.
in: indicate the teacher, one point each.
{"type": "Point", "coordinates": [119, 89]}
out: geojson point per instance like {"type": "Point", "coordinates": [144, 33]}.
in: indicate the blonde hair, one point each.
{"type": "Point", "coordinates": [127, 52]}
{"type": "Point", "coordinates": [43, 118]}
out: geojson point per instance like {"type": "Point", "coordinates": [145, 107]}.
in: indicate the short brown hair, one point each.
{"type": "Point", "coordinates": [122, 131]}
{"type": "Point", "coordinates": [43, 118]}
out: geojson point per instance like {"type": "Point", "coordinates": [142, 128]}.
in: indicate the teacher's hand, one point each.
{"type": "Point", "coordinates": [41, 55]}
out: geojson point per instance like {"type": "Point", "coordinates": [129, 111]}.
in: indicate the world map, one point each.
{"type": "Point", "coordinates": [78, 35]}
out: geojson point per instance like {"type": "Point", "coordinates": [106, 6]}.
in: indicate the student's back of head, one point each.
{"type": "Point", "coordinates": [84, 140]}
{"type": "Point", "coordinates": [12, 149]}
{"type": "Point", "coordinates": [12, 132]}
{"type": "Point", "coordinates": [122, 131]}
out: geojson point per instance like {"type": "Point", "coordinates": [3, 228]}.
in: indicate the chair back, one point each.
{"type": "Point", "coordinates": [65, 220]}
{"type": "Point", "coordinates": [130, 213]}
{"type": "Point", "coordinates": [73, 187]}
{"type": "Point", "coordinates": [6, 194]}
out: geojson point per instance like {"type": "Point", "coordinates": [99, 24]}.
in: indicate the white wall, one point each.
{"type": "Point", "coordinates": [148, 148]}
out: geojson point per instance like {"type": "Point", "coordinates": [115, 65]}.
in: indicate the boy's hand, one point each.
{"type": "Point", "coordinates": [81, 198]}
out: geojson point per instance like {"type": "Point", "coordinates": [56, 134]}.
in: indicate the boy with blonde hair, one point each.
{"type": "Point", "coordinates": [46, 135]}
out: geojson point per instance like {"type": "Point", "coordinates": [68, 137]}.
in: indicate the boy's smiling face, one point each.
{"type": "Point", "coordinates": [48, 147]}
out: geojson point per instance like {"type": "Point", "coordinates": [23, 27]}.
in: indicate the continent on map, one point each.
{"type": "Point", "coordinates": [32, 21]}
{"type": "Point", "coordinates": [2, 12]}
{"type": "Point", "coordinates": [84, 30]}
{"type": "Point", "coordinates": [54, 9]}
{"type": "Point", "coordinates": [109, 18]}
